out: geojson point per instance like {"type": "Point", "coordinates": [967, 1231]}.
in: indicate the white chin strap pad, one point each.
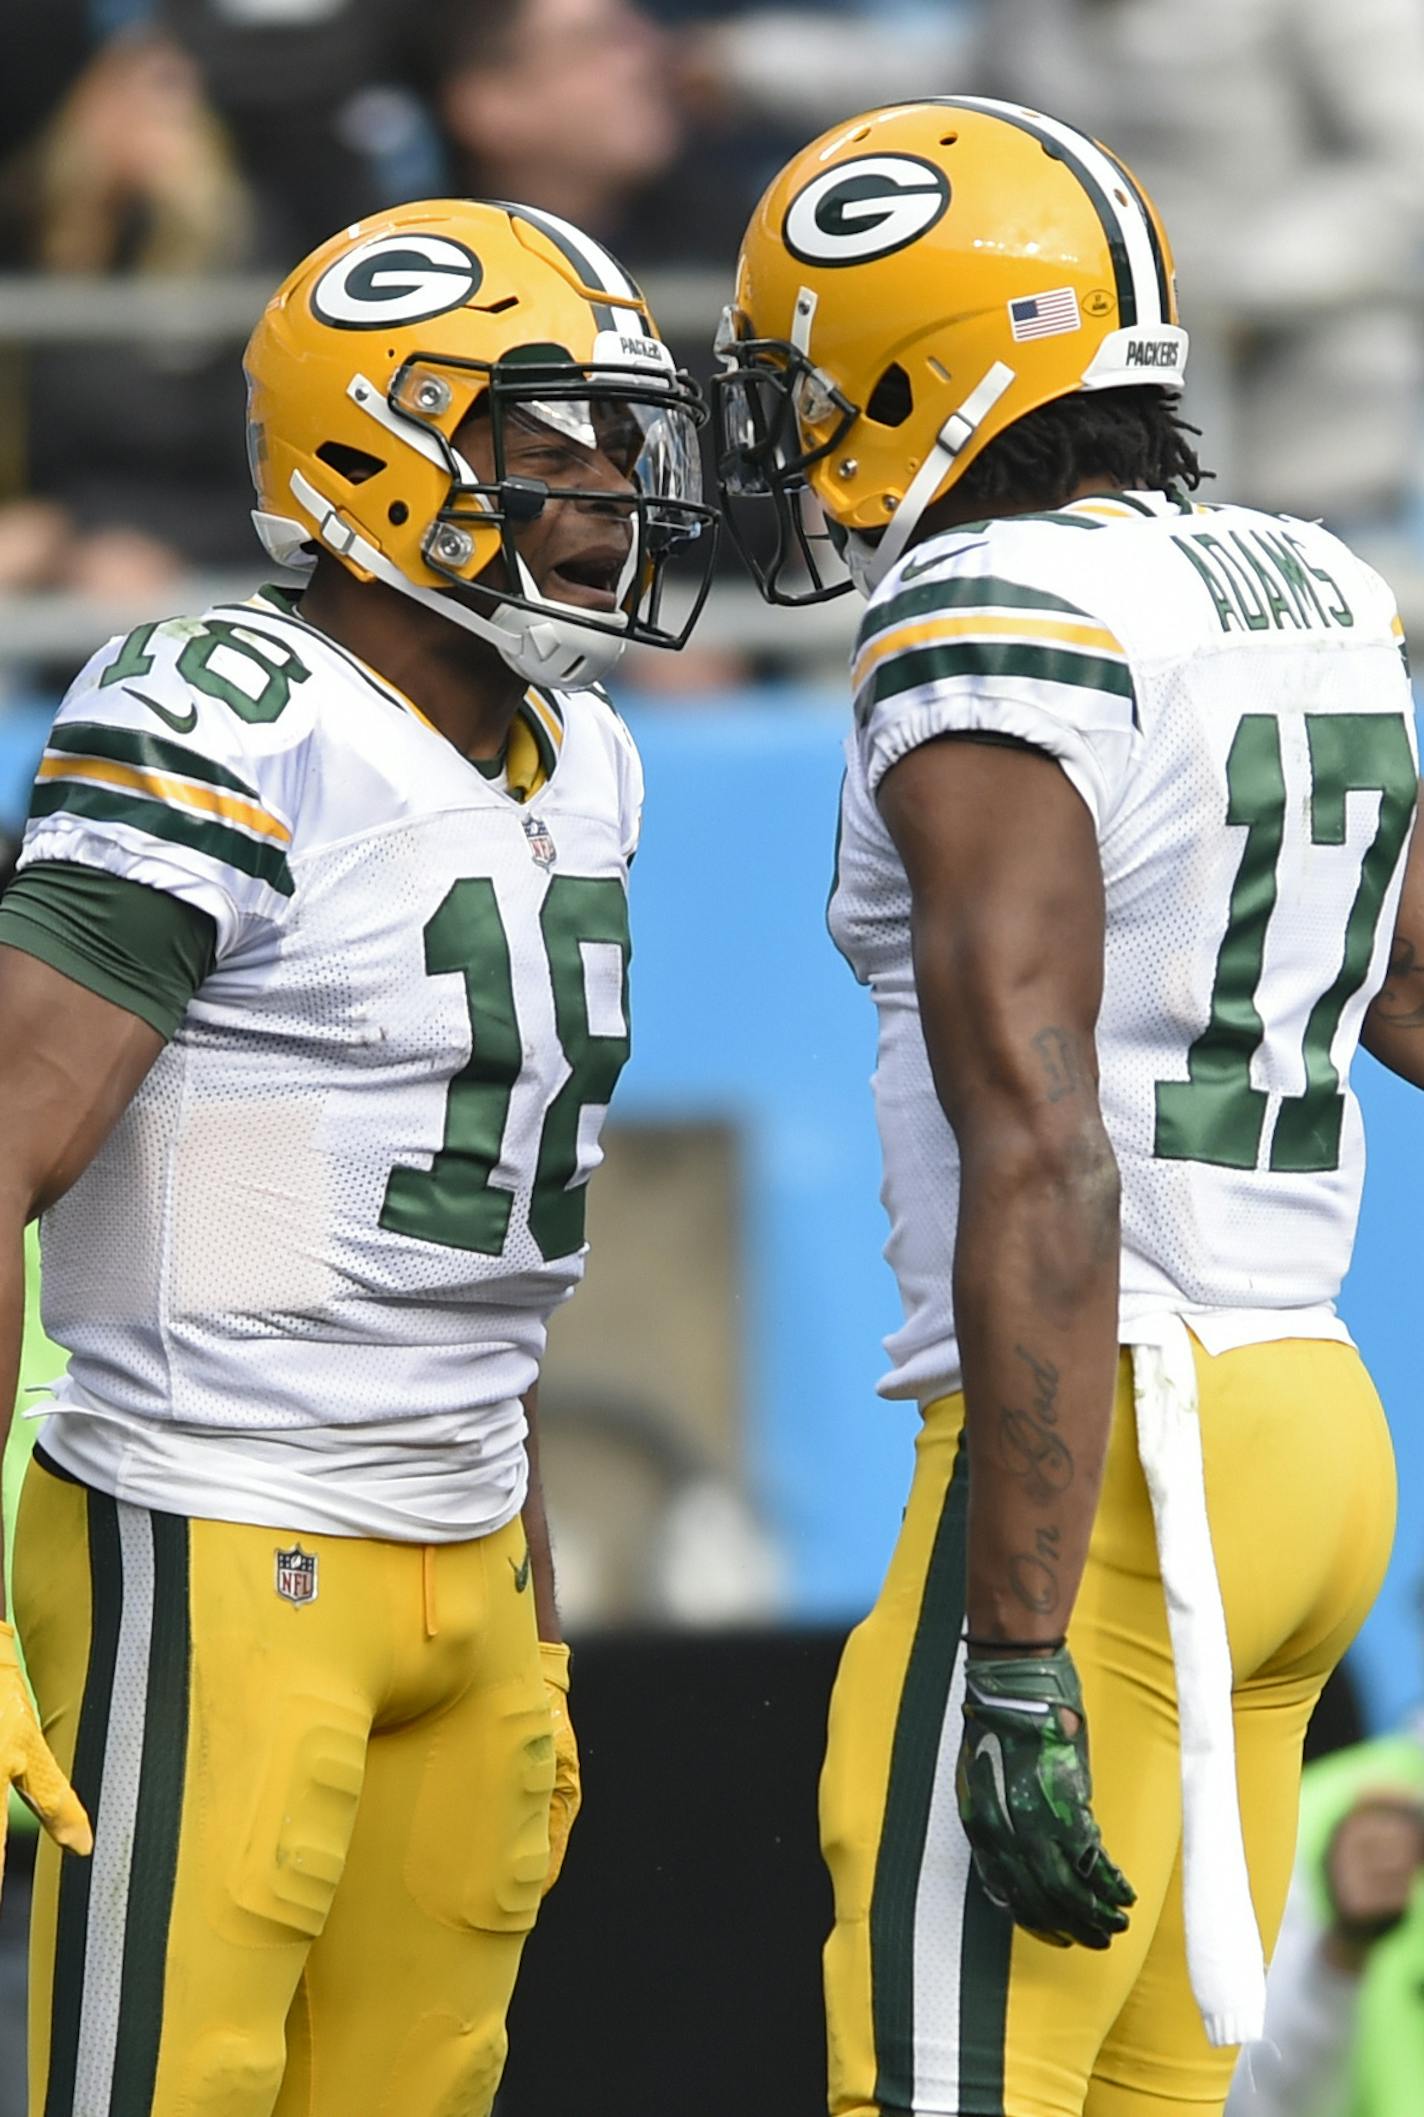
{"type": "Point", "coordinates": [870, 562]}
{"type": "Point", "coordinates": [554, 649]}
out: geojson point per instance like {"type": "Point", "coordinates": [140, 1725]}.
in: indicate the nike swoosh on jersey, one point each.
{"type": "Point", "coordinates": [181, 723]}
{"type": "Point", "coordinates": [912, 572]}
{"type": "Point", "coordinates": [521, 1573]}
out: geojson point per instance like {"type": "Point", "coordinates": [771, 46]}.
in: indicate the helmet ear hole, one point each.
{"type": "Point", "coordinates": [352, 464]}
{"type": "Point", "coordinates": [891, 401]}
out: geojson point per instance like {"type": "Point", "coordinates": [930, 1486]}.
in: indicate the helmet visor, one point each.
{"type": "Point", "coordinates": [618, 452]}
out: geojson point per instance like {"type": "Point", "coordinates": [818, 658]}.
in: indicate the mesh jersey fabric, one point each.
{"type": "Point", "coordinates": [317, 1210]}
{"type": "Point", "coordinates": [1181, 662]}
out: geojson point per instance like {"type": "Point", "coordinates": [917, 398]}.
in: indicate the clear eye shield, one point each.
{"type": "Point", "coordinates": [619, 444]}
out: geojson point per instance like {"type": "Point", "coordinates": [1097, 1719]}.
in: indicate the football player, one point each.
{"type": "Point", "coordinates": [313, 994]}
{"type": "Point", "coordinates": [1123, 832]}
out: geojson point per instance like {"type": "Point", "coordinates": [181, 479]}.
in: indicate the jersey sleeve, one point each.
{"type": "Point", "coordinates": [979, 652]}
{"type": "Point", "coordinates": [630, 768]}
{"type": "Point", "coordinates": [174, 762]}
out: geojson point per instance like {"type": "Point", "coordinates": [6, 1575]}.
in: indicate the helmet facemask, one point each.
{"type": "Point", "coordinates": [644, 425]}
{"type": "Point", "coordinates": [473, 538]}
{"type": "Point", "coordinates": [774, 415]}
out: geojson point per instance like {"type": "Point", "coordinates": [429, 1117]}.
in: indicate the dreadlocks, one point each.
{"type": "Point", "coordinates": [1130, 438]}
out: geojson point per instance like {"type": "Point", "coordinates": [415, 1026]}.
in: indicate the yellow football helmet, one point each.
{"type": "Point", "coordinates": [911, 284]}
{"type": "Point", "coordinates": [372, 354]}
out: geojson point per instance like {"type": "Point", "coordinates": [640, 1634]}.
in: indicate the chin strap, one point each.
{"type": "Point", "coordinates": [555, 650]}
{"type": "Point", "coordinates": [870, 562]}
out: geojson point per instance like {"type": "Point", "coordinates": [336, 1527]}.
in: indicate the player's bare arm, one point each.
{"type": "Point", "coordinates": [1007, 939]}
{"type": "Point", "coordinates": [536, 1529]}
{"type": "Point", "coordinates": [1007, 935]}
{"type": "Point", "coordinates": [69, 1064]}
{"type": "Point", "coordinates": [1392, 1026]}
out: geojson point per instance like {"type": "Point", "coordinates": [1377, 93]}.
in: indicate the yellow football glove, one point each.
{"type": "Point", "coordinates": [26, 1762]}
{"type": "Point", "coordinates": [568, 1793]}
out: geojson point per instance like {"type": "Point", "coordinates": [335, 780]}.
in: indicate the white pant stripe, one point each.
{"type": "Point", "coordinates": [114, 1825]}
{"type": "Point", "coordinates": [939, 1923]}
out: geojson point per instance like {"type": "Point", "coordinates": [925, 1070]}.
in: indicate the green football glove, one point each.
{"type": "Point", "coordinates": [1025, 1797]}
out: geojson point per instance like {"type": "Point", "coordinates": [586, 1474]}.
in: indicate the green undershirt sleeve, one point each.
{"type": "Point", "coordinates": [139, 947]}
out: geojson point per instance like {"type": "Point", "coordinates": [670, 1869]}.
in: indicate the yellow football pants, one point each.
{"type": "Point", "coordinates": [320, 1824]}
{"type": "Point", "coordinates": [936, 2003]}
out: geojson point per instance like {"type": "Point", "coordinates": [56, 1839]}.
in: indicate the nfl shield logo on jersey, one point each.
{"type": "Point", "coordinates": [296, 1575]}
{"type": "Point", "coordinates": [541, 844]}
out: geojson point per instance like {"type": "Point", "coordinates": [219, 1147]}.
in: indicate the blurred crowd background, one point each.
{"type": "Point", "coordinates": [149, 144]}
{"type": "Point", "coordinates": [164, 162]}
{"type": "Point", "coordinates": [715, 1453]}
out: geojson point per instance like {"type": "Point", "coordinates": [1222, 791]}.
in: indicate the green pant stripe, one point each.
{"type": "Point", "coordinates": [105, 1605]}
{"type": "Point", "coordinates": [914, 1755]}
{"type": "Point", "coordinates": [986, 1944]}
{"type": "Point", "coordinates": [157, 1822]}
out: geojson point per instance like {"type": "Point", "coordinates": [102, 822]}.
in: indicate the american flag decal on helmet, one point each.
{"type": "Point", "coordinates": [1045, 315]}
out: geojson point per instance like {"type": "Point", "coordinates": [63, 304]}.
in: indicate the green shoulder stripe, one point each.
{"type": "Point", "coordinates": [267, 863]}
{"type": "Point", "coordinates": [95, 738]}
{"type": "Point", "coordinates": [971, 658]}
{"type": "Point", "coordinates": [963, 592]}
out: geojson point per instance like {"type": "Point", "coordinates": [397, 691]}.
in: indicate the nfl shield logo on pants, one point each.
{"type": "Point", "coordinates": [296, 1575]}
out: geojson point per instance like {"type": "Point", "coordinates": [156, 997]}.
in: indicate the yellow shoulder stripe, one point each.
{"type": "Point", "coordinates": [164, 786]}
{"type": "Point", "coordinates": [1108, 509]}
{"type": "Point", "coordinates": [1026, 627]}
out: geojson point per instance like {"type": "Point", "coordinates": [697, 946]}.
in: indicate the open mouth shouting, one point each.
{"type": "Point", "coordinates": [588, 577]}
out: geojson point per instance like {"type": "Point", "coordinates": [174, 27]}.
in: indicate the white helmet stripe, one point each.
{"type": "Point", "coordinates": [594, 265]}
{"type": "Point", "coordinates": [1117, 200]}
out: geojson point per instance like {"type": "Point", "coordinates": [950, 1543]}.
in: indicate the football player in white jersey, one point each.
{"type": "Point", "coordinates": [1125, 820]}
{"type": "Point", "coordinates": [313, 994]}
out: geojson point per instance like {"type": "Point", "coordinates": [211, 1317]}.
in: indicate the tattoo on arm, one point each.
{"type": "Point", "coordinates": [1035, 1453]}
{"type": "Point", "coordinates": [1033, 1575]}
{"type": "Point", "coordinates": [1059, 1061]}
{"type": "Point", "coordinates": [1400, 1000]}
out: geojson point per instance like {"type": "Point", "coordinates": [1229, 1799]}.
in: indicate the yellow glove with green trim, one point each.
{"type": "Point", "coordinates": [27, 1764]}
{"type": "Point", "coordinates": [568, 1793]}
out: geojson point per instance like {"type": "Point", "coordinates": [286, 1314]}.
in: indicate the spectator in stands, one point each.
{"type": "Point", "coordinates": [134, 464]}
{"type": "Point", "coordinates": [1281, 140]}
{"type": "Point", "coordinates": [1345, 1998]}
{"type": "Point", "coordinates": [592, 111]}
{"type": "Point", "coordinates": [318, 101]}
{"type": "Point", "coordinates": [565, 104]}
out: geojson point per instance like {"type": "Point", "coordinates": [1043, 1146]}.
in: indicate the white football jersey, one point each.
{"type": "Point", "coordinates": [350, 1191]}
{"type": "Point", "coordinates": [1227, 692]}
